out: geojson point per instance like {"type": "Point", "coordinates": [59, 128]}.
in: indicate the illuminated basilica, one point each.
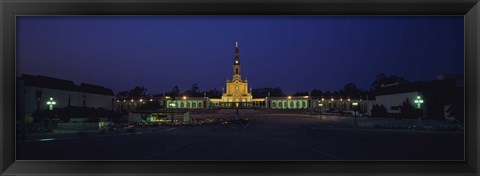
{"type": "Point", "coordinates": [237, 94]}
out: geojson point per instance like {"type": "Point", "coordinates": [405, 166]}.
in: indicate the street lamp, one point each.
{"type": "Point", "coordinates": [51, 103]}
{"type": "Point", "coordinates": [355, 104]}
{"type": "Point", "coordinates": [419, 102]}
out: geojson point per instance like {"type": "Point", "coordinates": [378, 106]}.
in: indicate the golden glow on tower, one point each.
{"type": "Point", "coordinates": [237, 89]}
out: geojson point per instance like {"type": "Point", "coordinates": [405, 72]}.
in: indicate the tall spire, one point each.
{"type": "Point", "coordinates": [236, 47]}
{"type": "Point", "coordinates": [237, 54]}
{"type": "Point", "coordinates": [236, 64]}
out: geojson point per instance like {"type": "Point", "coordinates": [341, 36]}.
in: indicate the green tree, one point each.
{"type": "Point", "coordinates": [194, 91]}
{"type": "Point", "coordinates": [175, 91]}
{"type": "Point", "coordinates": [407, 110]}
{"type": "Point", "coordinates": [379, 111]}
{"type": "Point", "coordinates": [138, 92]}
{"type": "Point", "coordinates": [214, 93]}
{"type": "Point", "coordinates": [300, 94]}
{"type": "Point", "coordinates": [263, 92]}
{"type": "Point", "coordinates": [316, 92]}
{"type": "Point", "coordinates": [123, 95]}
{"type": "Point", "coordinates": [351, 90]}
{"type": "Point", "coordinates": [383, 79]}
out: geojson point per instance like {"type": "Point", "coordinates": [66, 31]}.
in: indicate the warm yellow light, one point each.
{"type": "Point", "coordinates": [349, 99]}
{"type": "Point", "coordinates": [323, 99]}
{"type": "Point", "coordinates": [355, 104]}
{"type": "Point", "coordinates": [184, 97]}
{"type": "Point", "coordinates": [141, 100]}
{"type": "Point", "coordinates": [341, 99]}
{"type": "Point", "coordinates": [331, 99]}
{"type": "Point", "coordinates": [289, 97]}
{"type": "Point", "coordinates": [151, 99]}
{"type": "Point", "coordinates": [131, 100]}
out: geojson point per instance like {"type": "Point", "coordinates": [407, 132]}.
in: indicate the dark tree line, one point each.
{"type": "Point", "coordinates": [383, 79]}
{"type": "Point", "coordinates": [136, 93]}
{"type": "Point", "coordinates": [407, 110]}
{"type": "Point", "coordinates": [349, 90]}
{"type": "Point", "coordinates": [264, 92]}
{"type": "Point", "coordinates": [139, 92]}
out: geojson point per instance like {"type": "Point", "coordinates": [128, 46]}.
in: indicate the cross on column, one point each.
{"type": "Point", "coordinates": [51, 103]}
{"type": "Point", "coordinates": [419, 102]}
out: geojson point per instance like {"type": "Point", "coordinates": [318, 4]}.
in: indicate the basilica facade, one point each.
{"type": "Point", "coordinates": [237, 94]}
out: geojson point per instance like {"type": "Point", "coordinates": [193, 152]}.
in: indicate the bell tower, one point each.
{"type": "Point", "coordinates": [237, 93]}
{"type": "Point", "coordinates": [236, 64]}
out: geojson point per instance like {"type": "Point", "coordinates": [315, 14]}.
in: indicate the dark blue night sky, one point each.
{"type": "Point", "coordinates": [295, 53]}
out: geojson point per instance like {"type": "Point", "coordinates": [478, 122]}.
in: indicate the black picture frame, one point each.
{"type": "Point", "coordinates": [12, 8]}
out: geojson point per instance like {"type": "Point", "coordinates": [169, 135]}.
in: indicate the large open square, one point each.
{"type": "Point", "coordinates": [266, 137]}
{"type": "Point", "coordinates": [240, 88]}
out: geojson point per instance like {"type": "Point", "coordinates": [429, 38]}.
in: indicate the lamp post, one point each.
{"type": "Point", "coordinates": [355, 104]}
{"type": "Point", "coordinates": [419, 102]}
{"type": "Point", "coordinates": [321, 108]}
{"type": "Point", "coordinates": [172, 105]}
{"type": "Point", "coordinates": [51, 103]}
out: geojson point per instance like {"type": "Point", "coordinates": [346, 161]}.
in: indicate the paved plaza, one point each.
{"type": "Point", "coordinates": [264, 137]}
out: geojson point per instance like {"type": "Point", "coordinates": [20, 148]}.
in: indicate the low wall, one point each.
{"type": "Point", "coordinates": [78, 126]}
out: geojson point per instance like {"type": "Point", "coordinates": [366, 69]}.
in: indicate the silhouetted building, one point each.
{"type": "Point", "coordinates": [432, 99]}
{"type": "Point", "coordinates": [34, 92]}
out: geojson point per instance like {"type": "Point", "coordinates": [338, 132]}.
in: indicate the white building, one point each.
{"type": "Point", "coordinates": [392, 102]}
{"type": "Point", "coordinates": [33, 92]}
{"type": "Point", "coordinates": [433, 97]}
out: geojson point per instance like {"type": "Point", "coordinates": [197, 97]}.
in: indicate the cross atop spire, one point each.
{"type": "Point", "coordinates": [236, 44]}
